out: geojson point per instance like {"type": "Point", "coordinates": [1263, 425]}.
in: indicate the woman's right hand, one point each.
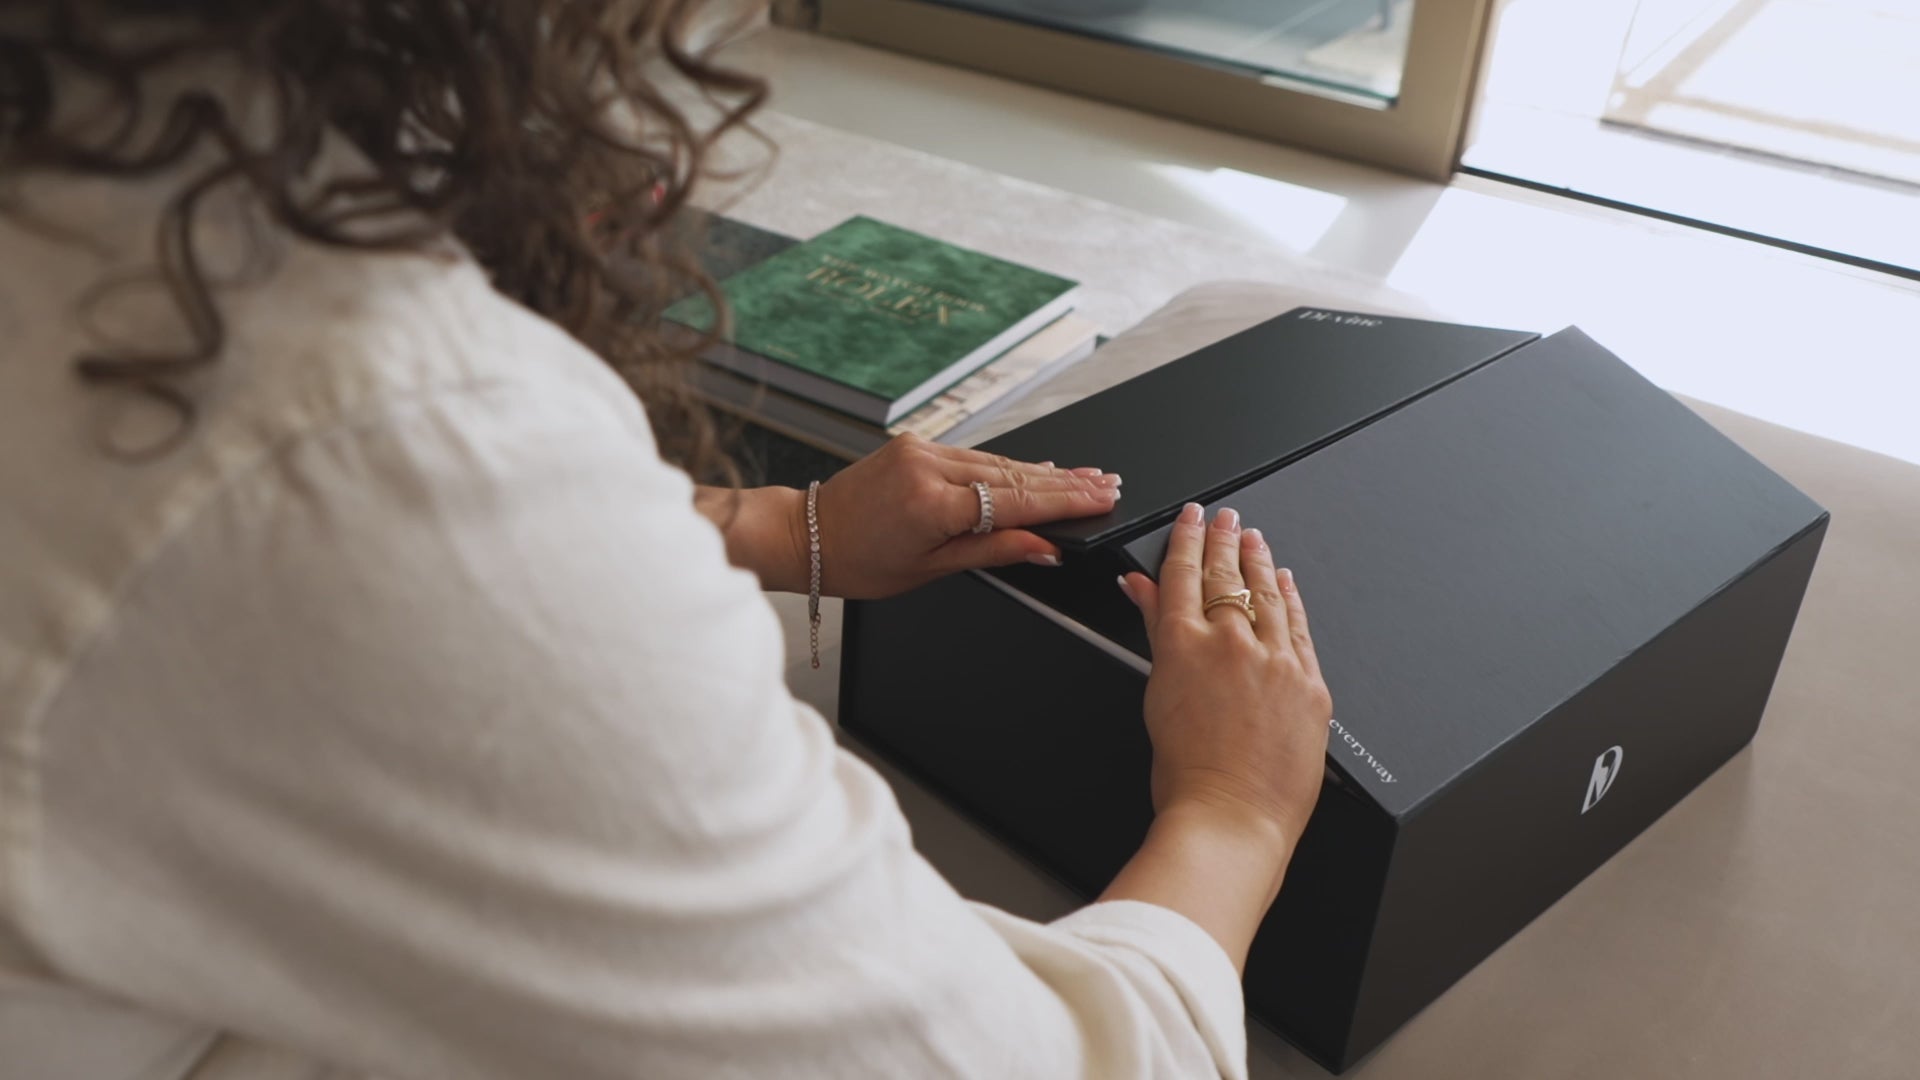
{"type": "Point", "coordinates": [1236, 708]}
{"type": "Point", "coordinates": [1238, 716]}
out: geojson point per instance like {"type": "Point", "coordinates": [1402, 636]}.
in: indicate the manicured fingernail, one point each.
{"type": "Point", "coordinates": [1085, 470]}
{"type": "Point", "coordinates": [1044, 560]}
{"type": "Point", "coordinates": [1286, 578]}
{"type": "Point", "coordinates": [1253, 537]}
{"type": "Point", "coordinates": [1227, 518]}
{"type": "Point", "coordinates": [1190, 514]}
{"type": "Point", "coordinates": [1046, 464]}
{"type": "Point", "coordinates": [1124, 587]}
{"type": "Point", "coordinates": [1108, 479]}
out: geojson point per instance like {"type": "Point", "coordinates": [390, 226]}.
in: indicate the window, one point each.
{"type": "Point", "coordinates": [1793, 121]}
{"type": "Point", "coordinates": [1385, 81]}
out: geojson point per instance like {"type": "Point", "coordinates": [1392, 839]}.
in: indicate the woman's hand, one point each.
{"type": "Point", "coordinates": [904, 515]}
{"type": "Point", "coordinates": [1235, 707]}
{"type": "Point", "coordinates": [1238, 715]}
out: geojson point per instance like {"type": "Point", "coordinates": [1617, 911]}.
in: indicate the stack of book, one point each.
{"type": "Point", "coordinates": [868, 331]}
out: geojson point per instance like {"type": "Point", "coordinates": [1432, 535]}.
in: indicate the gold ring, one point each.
{"type": "Point", "coordinates": [1242, 600]}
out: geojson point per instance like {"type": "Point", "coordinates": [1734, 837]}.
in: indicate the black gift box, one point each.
{"type": "Point", "coordinates": [1549, 600]}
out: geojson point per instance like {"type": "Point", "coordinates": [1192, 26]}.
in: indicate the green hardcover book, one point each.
{"type": "Point", "coordinates": [873, 320]}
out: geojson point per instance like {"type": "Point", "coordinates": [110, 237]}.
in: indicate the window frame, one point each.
{"type": "Point", "coordinates": [1420, 133]}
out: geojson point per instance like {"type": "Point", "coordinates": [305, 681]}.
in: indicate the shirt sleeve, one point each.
{"type": "Point", "coordinates": [444, 743]}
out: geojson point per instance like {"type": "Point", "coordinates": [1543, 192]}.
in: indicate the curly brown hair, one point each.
{"type": "Point", "coordinates": [540, 133]}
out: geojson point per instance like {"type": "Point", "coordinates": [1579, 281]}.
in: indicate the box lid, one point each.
{"type": "Point", "coordinates": [1473, 560]}
{"type": "Point", "coordinates": [1470, 558]}
{"type": "Point", "coordinates": [1242, 407]}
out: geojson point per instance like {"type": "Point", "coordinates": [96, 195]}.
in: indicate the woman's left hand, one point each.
{"type": "Point", "coordinates": [904, 515]}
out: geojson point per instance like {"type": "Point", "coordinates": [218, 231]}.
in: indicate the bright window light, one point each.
{"type": "Point", "coordinates": [1290, 215]}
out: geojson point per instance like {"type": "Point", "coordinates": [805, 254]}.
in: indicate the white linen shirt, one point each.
{"type": "Point", "coordinates": [408, 721]}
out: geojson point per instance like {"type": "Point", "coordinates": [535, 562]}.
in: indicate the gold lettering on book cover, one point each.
{"type": "Point", "coordinates": [887, 294]}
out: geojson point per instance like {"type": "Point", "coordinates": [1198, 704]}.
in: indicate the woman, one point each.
{"type": "Point", "coordinates": [375, 699]}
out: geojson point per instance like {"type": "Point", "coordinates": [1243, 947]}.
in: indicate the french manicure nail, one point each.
{"type": "Point", "coordinates": [1124, 587]}
{"type": "Point", "coordinates": [1190, 514]}
{"type": "Point", "coordinates": [1046, 464]}
{"type": "Point", "coordinates": [1108, 480]}
{"type": "Point", "coordinates": [1227, 518]}
{"type": "Point", "coordinates": [1286, 578]}
{"type": "Point", "coordinates": [1253, 536]}
{"type": "Point", "coordinates": [1085, 470]}
{"type": "Point", "coordinates": [1043, 559]}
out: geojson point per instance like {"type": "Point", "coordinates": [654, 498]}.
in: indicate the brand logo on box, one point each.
{"type": "Point", "coordinates": [1606, 769]}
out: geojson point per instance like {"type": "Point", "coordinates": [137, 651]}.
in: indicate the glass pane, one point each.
{"type": "Point", "coordinates": [1829, 82]}
{"type": "Point", "coordinates": [1355, 46]}
{"type": "Point", "coordinates": [1794, 120]}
